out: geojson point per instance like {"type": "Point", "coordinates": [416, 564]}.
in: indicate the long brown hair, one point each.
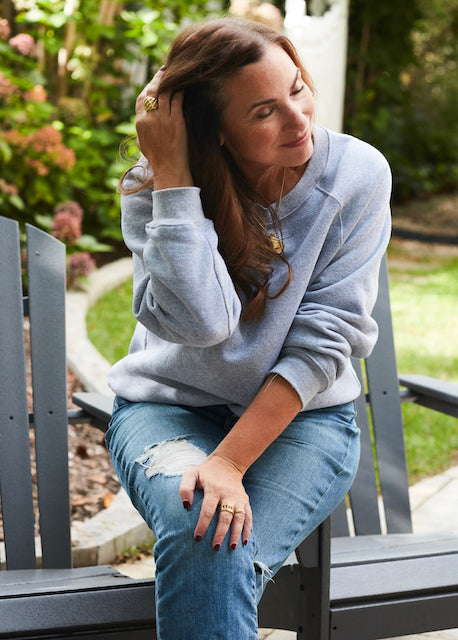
{"type": "Point", "coordinates": [200, 59]}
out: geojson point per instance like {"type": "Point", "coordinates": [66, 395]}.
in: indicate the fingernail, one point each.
{"type": "Point", "coordinates": [233, 546]}
{"type": "Point", "coordinates": [217, 547]}
{"type": "Point", "coordinates": [163, 68]}
{"type": "Point", "coordinates": [198, 538]}
{"type": "Point", "coordinates": [245, 542]}
{"type": "Point", "coordinates": [186, 504]}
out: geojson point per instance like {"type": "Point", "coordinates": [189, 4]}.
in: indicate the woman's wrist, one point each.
{"type": "Point", "coordinates": [172, 180]}
{"type": "Point", "coordinates": [234, 465]}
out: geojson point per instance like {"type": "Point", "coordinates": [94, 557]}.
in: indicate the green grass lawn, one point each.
{"type": "Point", "coordinates": [424, 294]}
{"type": "Point", "coordinates": [110, 322]}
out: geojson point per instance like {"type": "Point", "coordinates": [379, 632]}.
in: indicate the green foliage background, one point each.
{"type": "Point", "coordinates": [93, 56]}
{"type": "Point", "coordinates": [402, 78]}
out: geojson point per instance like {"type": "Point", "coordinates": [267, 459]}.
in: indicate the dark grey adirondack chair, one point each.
{"type": "Point", "coordinates": [368, 586]}
{"type": "Point", "coordinates": [309, 595]}
{"type": "Point", "coordinates": [54, 601]}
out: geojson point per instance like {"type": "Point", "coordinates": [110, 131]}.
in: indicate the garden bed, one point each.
{"type": "Point", "coordinates": [93, 482]}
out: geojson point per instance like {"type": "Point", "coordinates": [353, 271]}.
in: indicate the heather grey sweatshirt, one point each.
{"type": "Point", "coordinates": [190, 345]}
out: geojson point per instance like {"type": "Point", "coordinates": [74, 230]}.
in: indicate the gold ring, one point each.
{"type": "Point", "coordinates": [227, 507]}
{"type": "Point", "coordinates": [150, 103]}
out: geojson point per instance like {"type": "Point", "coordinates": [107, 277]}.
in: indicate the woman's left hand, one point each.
{"type": "Point", "coordinates": [221, 483]}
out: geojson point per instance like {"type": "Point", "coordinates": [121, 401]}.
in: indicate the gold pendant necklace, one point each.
{"type": "Point", "coordinates": [277, 243]}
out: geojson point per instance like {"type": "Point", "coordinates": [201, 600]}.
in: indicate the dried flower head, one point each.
{"type": "Point", "coordinates": [72, 208]}
{"type": "Point", "coordinates": [7, 88]}
{"type": "Point", "coordinates": [66, 227]}
{"type": "Point", "coordinates": [79, 265]}
{"type": "Point", "coordinates": [37, 94]}
{"type": "Point", "coordinates": [7, 188]}
{"type": "Point", "coordinates": [24, 44]}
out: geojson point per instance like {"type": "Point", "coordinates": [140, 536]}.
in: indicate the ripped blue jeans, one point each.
{"type": "Point", "coordinates": [293, 486]}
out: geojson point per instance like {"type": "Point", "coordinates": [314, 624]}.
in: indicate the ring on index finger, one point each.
{"type": "Point", "coordinates": [227, 507]}
{"type": "Point", "coordinates": [150, 103]}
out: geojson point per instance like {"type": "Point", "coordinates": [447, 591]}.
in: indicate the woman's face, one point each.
{"type": "Point", "coordinates": [267, 120]}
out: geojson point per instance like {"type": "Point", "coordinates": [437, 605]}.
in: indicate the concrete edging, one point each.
{"type": "Point", "coordinates": [98, 540]}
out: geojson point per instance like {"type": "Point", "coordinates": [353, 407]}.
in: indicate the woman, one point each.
{"type": "Point", "coordinates": [236, 398]}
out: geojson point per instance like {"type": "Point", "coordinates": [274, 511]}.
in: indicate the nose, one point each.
{"type": "Point", "coordinates": [295, 118]}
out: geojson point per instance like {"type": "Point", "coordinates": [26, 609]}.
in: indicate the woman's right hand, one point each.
{"type": "Point", "coordinates": [221, 483]}
{"type": "Point", "coordinates": [161, 136]}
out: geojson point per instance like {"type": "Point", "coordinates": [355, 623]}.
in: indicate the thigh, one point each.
{"type": "Point", "coordinates": [300, 479]}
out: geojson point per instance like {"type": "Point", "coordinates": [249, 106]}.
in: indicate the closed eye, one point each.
{"type": "Point", "coordinates": [265, 114]}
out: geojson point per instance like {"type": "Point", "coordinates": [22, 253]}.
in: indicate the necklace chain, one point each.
{"type": "Point", "coordinates": [277, 242]}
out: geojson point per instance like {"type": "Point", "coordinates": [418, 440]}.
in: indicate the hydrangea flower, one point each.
{"type": "Point", "coordinates": [24, 44]}
{"type": "Point", "coordinates": [66, 227]}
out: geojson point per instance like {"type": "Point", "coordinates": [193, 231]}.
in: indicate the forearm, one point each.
{"type": "Point", "coordinates": [271, 411]}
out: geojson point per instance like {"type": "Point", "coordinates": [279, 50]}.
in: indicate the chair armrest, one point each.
{"type": "Point", "coordinates": [97, 406]}
{"type": "Point", "coordinates": [432, 393]}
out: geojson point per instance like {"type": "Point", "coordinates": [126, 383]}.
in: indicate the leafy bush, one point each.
{"type": "Point", "coordinates": [401, 84]}
{"type": "Point", "coordinates": [69, 74]}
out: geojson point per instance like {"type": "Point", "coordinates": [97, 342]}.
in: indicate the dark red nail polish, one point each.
{"type": "Point", "coordinates": [233, 546]}
{"type": "Point", "coordinates": [245, 542]}
{"type": "Point", "coordinates": [198, 538]}
{"type": "Point", "coordinates": [186, 504]}
{"type": "Point", "coordinates": [217, 547]}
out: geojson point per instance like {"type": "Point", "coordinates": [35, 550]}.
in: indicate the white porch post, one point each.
{"type": "Point", "coordinates": [321, 41]}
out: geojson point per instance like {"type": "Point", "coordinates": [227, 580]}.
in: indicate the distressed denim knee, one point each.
{"type": "Point", "coordinates": [199, 592]}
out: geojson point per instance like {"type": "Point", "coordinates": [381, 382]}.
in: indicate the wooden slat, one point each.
{"type": "Point", "coordinates": [394, 579]}
{"type": "Point", "coordinates": [379, 548]}
{"type": "Point", "coordinates": [46, 277]}
{"type": "Point", "coordinates": [363, 494]}
{"type": "Point", "coordinates": [387, 417]}
{"type": "Point", "coordinates": [15, 472]}
{"type": "Point", "coordinates": [422, 613]}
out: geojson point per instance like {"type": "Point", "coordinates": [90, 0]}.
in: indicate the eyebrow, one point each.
{"type": "Point", "coordinates": [272, 100]}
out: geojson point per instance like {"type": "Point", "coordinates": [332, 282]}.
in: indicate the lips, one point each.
{"type": "Point", "coordinates": [298, 141]}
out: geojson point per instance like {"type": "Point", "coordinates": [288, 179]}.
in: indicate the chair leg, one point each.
{"type": "Point", "coordinates": [313, 597]}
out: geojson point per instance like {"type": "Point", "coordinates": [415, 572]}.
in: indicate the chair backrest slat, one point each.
{"type": "Point", "coordinates": [381, 484]}
{"type": "Point", "coordinates": [15, 469]}
{"type": "Point", "coordinates": [363, 494]}
{"type": "Point", "coordinates": [387, 417]}
{"type": "Point", "coordinates": [46, 278]}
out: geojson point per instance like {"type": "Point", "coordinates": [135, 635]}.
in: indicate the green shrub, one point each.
{"type": "Point", "coordinates": [401, 90]}
{"type": "Point", "coordinates": [69, 75]}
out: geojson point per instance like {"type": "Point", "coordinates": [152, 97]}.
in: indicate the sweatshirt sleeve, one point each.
{"type": "Point", "coordinates": [333, 321]}
{"type": "Point", "coordinates": [183, 292]}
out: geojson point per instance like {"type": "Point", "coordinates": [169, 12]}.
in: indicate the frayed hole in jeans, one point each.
{"type": "Point", "coordinates": [170, 458]}
{"type": "Point", "coordinates": [266, 573]}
